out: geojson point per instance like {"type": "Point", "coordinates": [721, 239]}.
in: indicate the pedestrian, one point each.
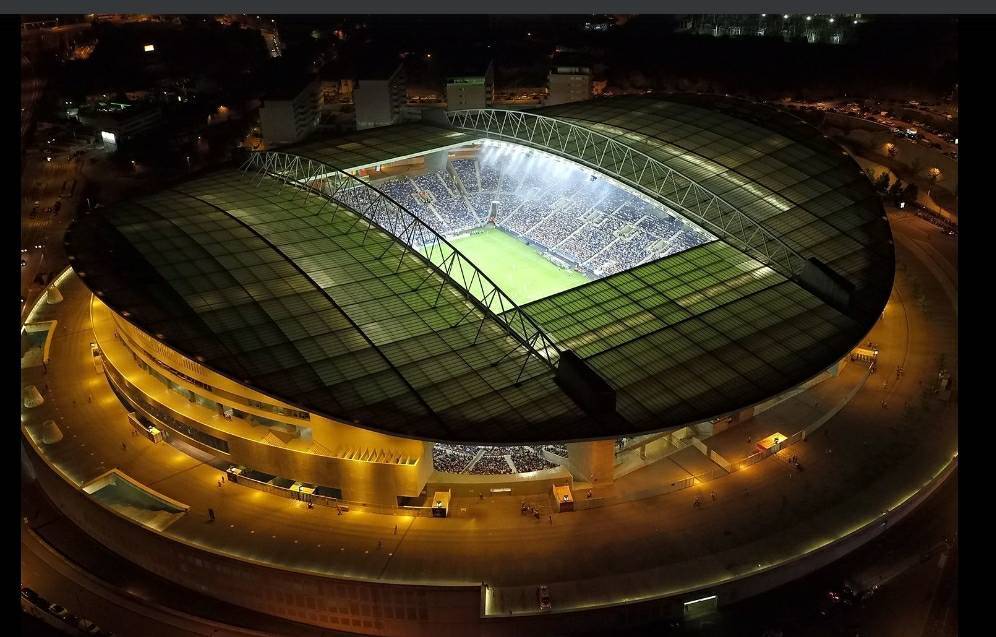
{"type": "Point", "coordinates": [211, 514]}
{"type": "Point", "coordinates": [588, 493]}
{"type": "Point", "coordinates": [224, 476]}
{"type": "Point", "coordinates": [124, 447]}
{"type": "Point", "coordinates": [482, 497]}
{"type": "Point", "coordinates": [551, 519]}
{"type": "Point", "coordinates": [713, 494]}
{"type": "Point", "coordinates": [219, 484]}
{"type": "Point", "coordinates": [89, 398]}
{"type": "Point", "coordinates": [395, 529]}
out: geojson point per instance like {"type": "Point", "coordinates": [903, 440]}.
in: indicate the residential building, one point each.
{"type": "Point", "coordinates": [379, 94]}
{"type": "Point", "coordinates": [470, 88]}
{"type": "Point", "coordinates": [289, 113]}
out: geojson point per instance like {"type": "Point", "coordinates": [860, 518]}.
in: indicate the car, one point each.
{"type": "Point", "coordinates": [58, 611]}
{"type": "Point", "coordinates": [543, 597]}
{"type": "Point", "coordinates": [24, 263]}
{"type": "Point", "coordinates": [39, 246]}
{"type": "Point", "coordinates": [88, 627]}
{"type": "Point", "coordinates": [30, 595]}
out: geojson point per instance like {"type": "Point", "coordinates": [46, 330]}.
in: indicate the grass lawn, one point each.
{"type": "Point", "coordinates": [519, 270]}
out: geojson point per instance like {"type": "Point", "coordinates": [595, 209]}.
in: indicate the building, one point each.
{"type": "Point", "coordinates": [569, 80]}
{"type": "Point", "coordinates": [290, 111]}
{"type": "Point", "coordinates": [117, 123]}
{"type": "Point", "coordinates": [379, 94]}
{"type": "Point", "coordinates": [306, 344]}
{"type": "Point", "coordinates": [471, 88]}
{"type": "Point", "coordinates": [813, 28]}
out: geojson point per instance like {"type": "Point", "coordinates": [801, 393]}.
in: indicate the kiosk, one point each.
{"type": "Point", "coordinates": [563, 497]}
{"type": "Point", "coordinates": [441, 504]}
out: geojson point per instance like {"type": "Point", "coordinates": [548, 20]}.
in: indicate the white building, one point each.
{"type": "Point", "coordinates": [379, 95]}
{"type": "Point", "coordinates": [568, 84]}
{"type": "Point", "coordinates": [118, 122]}
{"type": "Point", "coordinates": [289, 116]}
{"type": "Point", "coordinates": [471, 90]}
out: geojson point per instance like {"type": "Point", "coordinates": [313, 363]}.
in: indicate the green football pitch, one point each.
{"type": "Point", "coordinates": [518, 269]}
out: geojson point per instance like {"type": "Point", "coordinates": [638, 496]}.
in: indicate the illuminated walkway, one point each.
{"type": "Point", "coordinates": [629, 549]}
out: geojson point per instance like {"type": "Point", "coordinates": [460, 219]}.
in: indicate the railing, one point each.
{"type": "Point", "coordinates": [418, 240]}
{"type": "Point", "coordinates": [615, 158]}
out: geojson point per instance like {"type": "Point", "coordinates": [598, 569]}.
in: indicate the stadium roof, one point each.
{"type": "Point", "coordinates": [295, 296]}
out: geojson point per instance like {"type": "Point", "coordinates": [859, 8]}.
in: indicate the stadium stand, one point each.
{"type": "Point", "coordinates": [595, 226]}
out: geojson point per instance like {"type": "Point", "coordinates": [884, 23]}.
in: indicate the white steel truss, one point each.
{"type": "Point", "coordinates": [418, 240]}
{"type": "Point", "coordinates": [639, 170]}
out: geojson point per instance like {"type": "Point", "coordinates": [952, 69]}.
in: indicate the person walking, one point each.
{"type": "Point", "coordinates": [713, 495]}
{"type": "Point", "coordinates": [211, 514]}
{"type": "Point", "coordinates": [551, 520]}
{"type": "Point", "coordinates": [89, 398]}
{"type": "Point", "coordinates": [395, 529]}
{"type": "Point", "coordinates": [124, 447]}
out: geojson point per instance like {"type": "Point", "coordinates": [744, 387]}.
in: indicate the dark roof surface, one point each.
{"type": "Point", "coordinates": [265, 284]}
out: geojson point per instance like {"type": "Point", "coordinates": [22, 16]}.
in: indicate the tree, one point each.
{"type": "Point", "coordinates": [897, 188]}
{"type": "Point", "coordinates": [910, 193]}
{"type": "Point", "coordinates": [882, 183]}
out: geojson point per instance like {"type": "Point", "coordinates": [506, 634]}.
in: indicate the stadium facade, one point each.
{"type": "Point", "coordinates": [309, 318]}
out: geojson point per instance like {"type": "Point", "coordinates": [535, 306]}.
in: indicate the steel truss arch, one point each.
{"type": "Point", "coordinates": [633, 167]}
{"type": "Point", "coordinates": [381, 212]}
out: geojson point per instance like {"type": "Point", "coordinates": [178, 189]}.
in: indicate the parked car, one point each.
{"type": "Point", "coordinates": [543, 597]}
{"type": "Point", "coordinates": [58, 611]}
{"type": "Point", "coordinates": [88, 626]}
{"type": "Point", "coordinates": [30, 595]}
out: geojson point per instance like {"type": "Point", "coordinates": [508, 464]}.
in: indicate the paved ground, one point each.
{"type": "Point", "coordinates": [761, 516]}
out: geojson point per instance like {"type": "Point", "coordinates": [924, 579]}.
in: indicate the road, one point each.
{"type": "Point", "coordinates": [42, 181]}
{"type": "Point", "coordinates": [885, 121]}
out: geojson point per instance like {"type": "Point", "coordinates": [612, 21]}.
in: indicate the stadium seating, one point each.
{"type": "Point", "coordinates": [594, 225]}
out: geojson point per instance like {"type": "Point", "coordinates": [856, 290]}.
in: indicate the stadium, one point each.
{"type": "Point", "coordinates": [531, 304]}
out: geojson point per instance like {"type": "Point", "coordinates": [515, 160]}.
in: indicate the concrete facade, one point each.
{"type": "Point", "coordinates": [378, 100]}
{"type": "Point", "coordinates": [291, 119]}
{"type": "Point", "coordinates": [568, 84]}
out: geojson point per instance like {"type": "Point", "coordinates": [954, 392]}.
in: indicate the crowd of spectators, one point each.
{"type": "Point", "coordinates": [454, 458]}
{"type": "Point", "coordinates": [592, 224]}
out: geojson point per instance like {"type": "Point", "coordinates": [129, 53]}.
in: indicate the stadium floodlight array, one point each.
{"type": "Point", "coordinates": [420, 241]}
